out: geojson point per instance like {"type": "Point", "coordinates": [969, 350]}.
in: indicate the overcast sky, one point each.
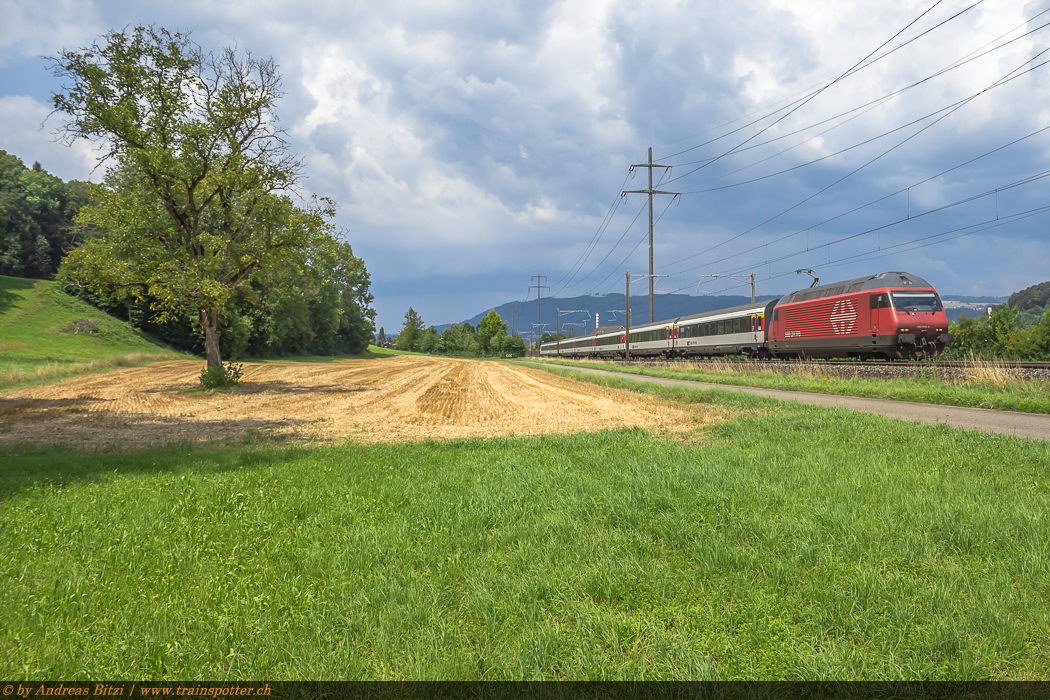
{"type": "Point", "coordinates": [472, 145]}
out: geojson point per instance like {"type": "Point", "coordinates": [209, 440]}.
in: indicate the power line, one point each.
{"type": "Point", "coordinates": [988, 193]}
{"type": "Point", "coordinates": [882, 250]}
{"type": "Point", "coordinates": [863, 109]}
{"type": "Point", "coordinates": [596, 237]}
{"type": "Point", "coordinates": [624, 261]}
{"type": "Point", "coordinates": [951, 110]}
{"type": "Point", "coordinates": [596, 267]}
{"type": "Point", "coordinates": [875, 201]}
{"type": "Point", "coordinates": [867, 61]}
{"type": "Point", "coordinates": [856, 67]}
{"type": "Point", "coordinates": [869, 105]}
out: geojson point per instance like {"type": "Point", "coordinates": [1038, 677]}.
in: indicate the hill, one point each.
{"type": "Point", "coordinates": [1035, 297]}
{"type": "Point", "coordinates": [46, 333]}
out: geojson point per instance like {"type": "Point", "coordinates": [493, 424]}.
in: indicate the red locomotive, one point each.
{"type": "Point", "coordinates": [894, 315]}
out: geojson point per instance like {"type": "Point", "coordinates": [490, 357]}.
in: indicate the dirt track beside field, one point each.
{"type": "Point", "coordinates": [390, 399]}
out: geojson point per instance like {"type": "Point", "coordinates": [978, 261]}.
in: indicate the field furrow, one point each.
{"type": "Point", "coordinates": [395, 399]}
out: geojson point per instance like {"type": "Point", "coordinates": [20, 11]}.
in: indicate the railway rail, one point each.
{"type": "Point", "coordinates": [945, 369]}
{"type": "Point", "coordinates": [964, 364]}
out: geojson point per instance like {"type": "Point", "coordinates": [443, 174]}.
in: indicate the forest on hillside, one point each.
{"type": "Point", "coordinates": [37, 212]}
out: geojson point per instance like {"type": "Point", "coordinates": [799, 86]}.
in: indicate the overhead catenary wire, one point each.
{"type": "Point", "coordinates": [953, 108]}
{"type": "Point", "coordinates": [885, 251]}
{"type": "Point", "coordinates": [863, 63]}
{"type": "Point", "coordinates": [874, 201]}
{"type": "Point", "coordinates": [624, 261]}
{"type": "Point", "coordinates": [958, 63]}
{"type": "Point", "coordinates": [589, 252]}
{"type": "Point", "coordinates": [855, 68]}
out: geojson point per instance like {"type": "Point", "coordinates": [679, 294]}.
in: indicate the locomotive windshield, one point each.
{"type": "Point", "coordinates": [916, 301]}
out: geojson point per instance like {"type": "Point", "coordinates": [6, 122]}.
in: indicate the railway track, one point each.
{"type": "Point", "coordinates": [945, 369]}
{"type": "Point", "coordinates": [851, 363]}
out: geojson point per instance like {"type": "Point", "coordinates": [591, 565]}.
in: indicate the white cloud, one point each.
{"type": "Point", "coordinates": [32, 28]}
{"type": "Point", "coordinates": [26, 134]}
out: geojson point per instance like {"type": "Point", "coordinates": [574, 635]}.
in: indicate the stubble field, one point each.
{"type": "Point", "coordinates": [397, 399]}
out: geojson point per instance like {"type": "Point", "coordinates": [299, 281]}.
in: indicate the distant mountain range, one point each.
{"type": "Point", "coordinates": [575, 311]}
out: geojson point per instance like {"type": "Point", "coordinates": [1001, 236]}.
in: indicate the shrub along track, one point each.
{"type": "Point", "coordinates": [395, 399]}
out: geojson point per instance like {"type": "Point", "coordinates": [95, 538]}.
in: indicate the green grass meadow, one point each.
{"type": "Point", "coordinates": [788, 542]}
{"type": "Point", "coordinates": [36, 342]}
{"type": "Point", "coordinates": [989, 387]}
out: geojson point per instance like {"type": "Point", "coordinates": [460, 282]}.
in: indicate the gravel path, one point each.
{"type": "Point", "coordinates": [1027, 425]}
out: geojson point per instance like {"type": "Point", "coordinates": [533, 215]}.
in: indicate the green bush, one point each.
{"type": "Point", "coordinates": [999, 337]}
{"type": "Point", "coordinates": [228, 374]}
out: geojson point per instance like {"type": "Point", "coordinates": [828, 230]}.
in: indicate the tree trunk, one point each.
{"type": "Point", "coordinates": [209, 319]}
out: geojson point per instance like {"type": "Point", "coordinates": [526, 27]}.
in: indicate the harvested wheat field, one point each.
{"type": "Point", "coordinates": [392, 399]}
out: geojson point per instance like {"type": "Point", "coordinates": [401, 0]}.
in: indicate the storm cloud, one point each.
{"type": "Point", "coordinates": [472, 145]}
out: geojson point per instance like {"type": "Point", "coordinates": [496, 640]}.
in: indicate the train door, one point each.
{"type": "Point", "coordinates": [875, 303]}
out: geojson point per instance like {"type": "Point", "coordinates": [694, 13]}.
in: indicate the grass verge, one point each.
{"type": "Point", "coordinates": [789, 542]}
{"type": "Point", "coordinates": [46, 335]}
{"type": "Point", "coordinates": [982, 387]}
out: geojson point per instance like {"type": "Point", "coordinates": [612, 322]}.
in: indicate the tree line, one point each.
{"type": "Point", "coordinates": [1008, 333]}
{"type": "Point", "coordinates": [37, 218]}
{"type": "Point", "coordinates": [490, 338]}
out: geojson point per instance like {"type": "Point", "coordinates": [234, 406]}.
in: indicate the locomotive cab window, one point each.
{"type": "Point", "coordinates": [916, 301]}
{"type": "Point", "coordinates": [879, 301]}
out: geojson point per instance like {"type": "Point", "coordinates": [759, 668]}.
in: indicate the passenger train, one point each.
{"type": "Point", "coordinates": [892, 315]}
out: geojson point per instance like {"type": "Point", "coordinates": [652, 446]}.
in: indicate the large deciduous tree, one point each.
{"type": "Point", "coordinates": [197, 201]}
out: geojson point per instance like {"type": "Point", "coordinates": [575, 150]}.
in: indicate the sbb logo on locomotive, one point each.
{"type": "Point", "coordinates": [843, 317]}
